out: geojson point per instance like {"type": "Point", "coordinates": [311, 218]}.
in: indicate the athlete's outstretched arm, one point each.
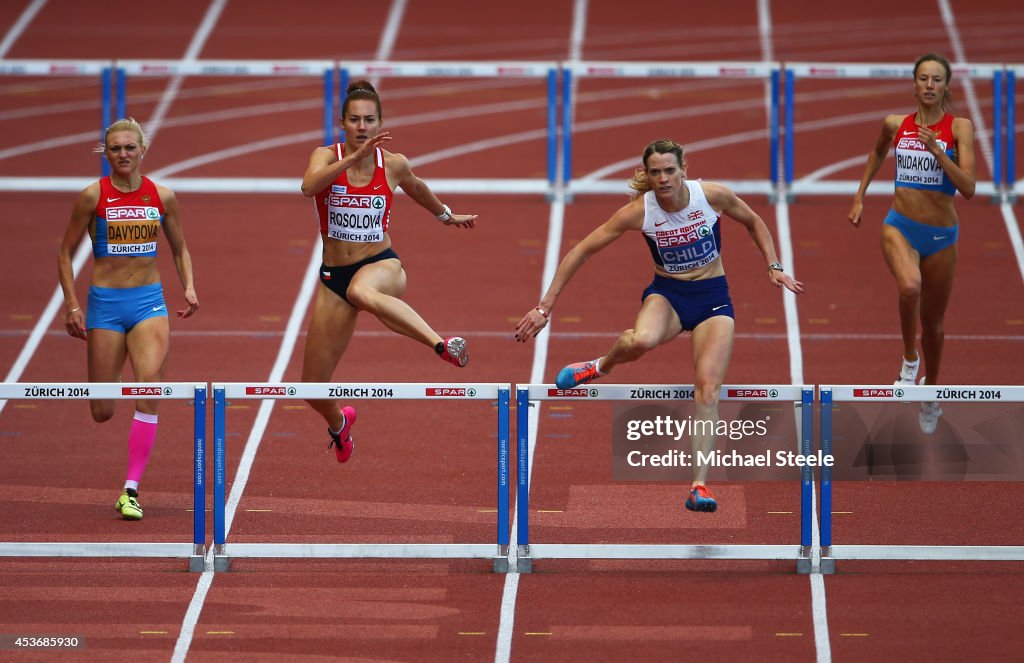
{"type": "Point", "coordinates": [628, 217]}
{"type": "Point", "coordinates": [723, 198]}
{"type": "Point", "coordinates": [418, 191]}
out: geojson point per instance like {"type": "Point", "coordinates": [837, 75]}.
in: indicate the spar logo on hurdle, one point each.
{"type": "Point", "coordinates": [576, 392]}
{"type": "Point", "coordinates": [449, 392]}
{"type": "Point", "coordinates": [263, 390]}
{"type": "Point", "coordinates": [752, 393]}
{"type": "Point", "coordinates": [146, 391]}
{"type": "Point", "coordinates": [885, 392]}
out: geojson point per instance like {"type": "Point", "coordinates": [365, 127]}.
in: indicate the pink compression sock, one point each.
{"type": "Point", "coordinates": [140, 444]}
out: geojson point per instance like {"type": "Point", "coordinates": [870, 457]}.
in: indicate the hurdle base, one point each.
{"type": "Point", "coordinates": [221, 561]}
{"type": "Point", "coordinates": [524, 563]}
{"type": "Point", "coordinates": [803, 566]}
{"type": "Point", "coordinates": [197, 561]}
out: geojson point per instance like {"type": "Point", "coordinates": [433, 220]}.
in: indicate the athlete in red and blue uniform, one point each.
{"type": "Point", "coordinates": [126, 314]}
{"type": "Point", "coordinates": [934, 159]}
{"type": "Point", "coordinates": [679, 221]}
{"type": "Point", "coordinates": [352, 184]}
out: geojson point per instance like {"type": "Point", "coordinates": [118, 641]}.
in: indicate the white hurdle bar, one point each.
{"type": "Point", "coordinates": [500, 393]}
{"type": "Point", "coordinates": [194, 551]}
{"type": "Point", "coordinates": [801, 395]}
{"type": "Point", "coordinates": [829, 395]}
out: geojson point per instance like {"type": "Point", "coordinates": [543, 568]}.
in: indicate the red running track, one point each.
{"type": "Point", "coordinates": [416, 474]}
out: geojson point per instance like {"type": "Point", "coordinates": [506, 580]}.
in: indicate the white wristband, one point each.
{"type": "Point", "coordinates": [445, 215]}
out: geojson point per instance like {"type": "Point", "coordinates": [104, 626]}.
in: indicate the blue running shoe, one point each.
{"type": "Point", "coordinates": [701, 499]}
{"type": "Point", "coordinates": [574, 375]}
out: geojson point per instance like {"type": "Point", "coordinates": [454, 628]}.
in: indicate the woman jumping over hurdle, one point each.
{"type": "Point", "coordinates": [679, 220]}
{"type": "Point", "coordinates": [126, 316]}
{"type": "Point", "coordinates": [352, 184]}
{"type": "Point", "coordinates": [934, 160]}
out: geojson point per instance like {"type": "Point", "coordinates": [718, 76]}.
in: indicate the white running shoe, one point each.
{"type": "Point", "coordinates": [929, 417]}
{"type": "Point", "coordinates": [930, 413]}
{"type": "Point", "coordinates": [908, 372]}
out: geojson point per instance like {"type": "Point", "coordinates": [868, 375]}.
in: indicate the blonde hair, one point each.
{"type": "Point", "coordinates": [124, 124]}
{"type": "Point", "coordinates": [639, 182]}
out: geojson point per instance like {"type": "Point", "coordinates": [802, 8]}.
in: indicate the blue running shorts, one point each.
{"type": "Point", "coordinates": [693, 301]}
{"type": "Point", "coordinates": [925, 239]}
{"type": "Point", "coordinates": [120, 309]}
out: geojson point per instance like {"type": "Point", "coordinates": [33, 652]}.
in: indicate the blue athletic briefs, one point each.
{"type": "Point", "coordinates": [693, 301]}
{"type": "Point", "coordinates": [120, 309]}
{"type": "Point", "coordinates": [925, 239]}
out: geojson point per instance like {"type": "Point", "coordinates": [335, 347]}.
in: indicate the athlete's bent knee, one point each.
{"type": "Point", "coordinates": [101, 411]}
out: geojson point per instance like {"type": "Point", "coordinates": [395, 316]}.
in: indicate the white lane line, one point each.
{"type": "Point", "coordinates": [984, 142]}
{"type": "Point", "coordinates": [556, 222]}
{"type": "Point", "coordinates": [213, 13]}
{"type": "Point", "coordinates": [292, 330]}
{"type": "Point", "coordinates": [43, 324]}
{"type": "Point", "coordinates": [19, 26]}
{"type": "Point", "coordinates": [819, 610]}
{"type": "Point", "coordinates": [552, 252]}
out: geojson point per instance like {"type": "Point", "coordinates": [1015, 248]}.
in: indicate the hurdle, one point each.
{"type": "Point", "coordinates": [874, 71]}
{"type": "Point", "coordinates": [911, 395]}
{"type": "Point", "coordinates": [323, 69]}
{"type": "Point", "coordinates": [499, 393]}
{"type": "Point", "coordinates": [528, 69]}
{"type": "Point", "coordinates": [802, 396]}
{"type": "Point", "coordinates": [194, 551]}
{"type": "Point", "coordinates": [766, 72]}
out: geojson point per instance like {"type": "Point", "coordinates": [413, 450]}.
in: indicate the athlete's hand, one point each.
{"type": "Point", "coordinates": [368, 145]}
{"type": "Point", "coordinates": [193, 304]}
{"type": "Point", "coordinates": [780, 279]}
{"type": "Point", "coordinates": [855, 212]}
{"type": "Point", "coordinates": [74, 322]}
{"type": "Point", "coordinates": [462, 221]}
{"type": "Point", "coordinates": [531, 324]}
{"type": "Point", "coordinates": [927, 137]}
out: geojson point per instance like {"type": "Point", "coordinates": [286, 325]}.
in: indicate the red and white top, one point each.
{"type": "Point", "coordinates": [683, 240]}
{"type": "Point", "coordinates": [127, 224]}
{"type": "Point", "coordinates": [355, 213]}
{"type": "Point", "coordinates": [916, 167]}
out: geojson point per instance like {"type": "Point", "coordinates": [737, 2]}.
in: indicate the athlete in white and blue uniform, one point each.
{"type": "Point", "coordinates": [934, 159]}
{"type": "Point", "coordinates": [679, 221]}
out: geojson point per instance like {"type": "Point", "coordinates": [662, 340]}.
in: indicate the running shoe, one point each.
{"type": "Point", "coordinates": [701, 499]}
{"type": "Point", "coordinates": [342, 440]}
{"type": "Point", "coordinates": [128, 505]}
{"type": "Point", "coordinates": [908, 372]}
{"type": "Point", "coordinates": [576, 374]}
{"type": "Point", "coordinates": [929, 417]}
{"type": "Point", "coordinates": [455, 351]}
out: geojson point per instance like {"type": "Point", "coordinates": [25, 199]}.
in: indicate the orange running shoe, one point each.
{"type": "Point", "coordinates": [701, 499]}
{"type": "Point", "coordinates": [576, 374]}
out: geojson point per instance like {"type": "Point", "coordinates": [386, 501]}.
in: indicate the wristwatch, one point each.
{"type": "Point", "coordinates": [776, 266]}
